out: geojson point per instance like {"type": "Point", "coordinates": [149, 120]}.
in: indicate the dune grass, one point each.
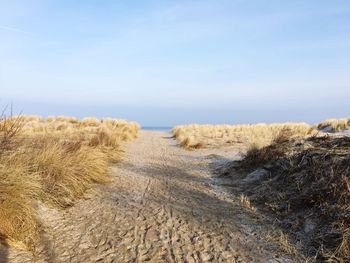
{"type": "Point", "coordinates": [307, 191]}
{"type": "Point", "coordinates": [53, 161]}
{"type": "Point", "coordinates": [335, 125]}
{"type": "Point", "coordinates": [197, 136]}
{"type": "Point", "coordinates": [256, 156]}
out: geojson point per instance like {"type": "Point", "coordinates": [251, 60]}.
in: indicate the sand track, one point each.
{"type": "Point", "coordinates": [160, 207]}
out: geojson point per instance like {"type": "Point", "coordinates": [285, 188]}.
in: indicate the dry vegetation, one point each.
{"type": "Point", "coordinates": [246, 202]}
{"type": "Point", "coordinates": [52, 161]}
{"type": "Point", "coordinates": [259, 135]}
{"type": "Point", "coordinates": [335, 125]}
{"type": "Point", "coordinates": [306, 188]}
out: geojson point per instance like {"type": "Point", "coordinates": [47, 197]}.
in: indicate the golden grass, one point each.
{"type": "Point", "coordinates": [89, 126]}
{"type": "Point", "coordinates": [335, 125]}
{"type": "Point", "coordinates": [256, 156]}
{"type": "Point", "coordinates": [245, 201]}
{"type": "Point", "coordinates": [54, 161]}
{"type": "Point", "coordinates": [18, 190]}
{"type": "Point", "coordinates": [67, 171]}
{"type": "Point", "coordinates": [281, 241]}
{"type": "Point", "coordinates": [260, 135]}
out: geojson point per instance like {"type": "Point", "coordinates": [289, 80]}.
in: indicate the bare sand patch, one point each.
{"type": "Point", "coordinates": [161, 206]}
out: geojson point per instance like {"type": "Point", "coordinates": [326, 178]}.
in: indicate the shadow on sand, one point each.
{"type": "Point", "coordinates": [3, 254]}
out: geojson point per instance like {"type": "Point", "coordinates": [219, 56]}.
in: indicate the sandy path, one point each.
{"type": "Point", "coordinates": [160, 207]}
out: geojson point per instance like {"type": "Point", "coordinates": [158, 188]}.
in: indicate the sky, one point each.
{"type": "Point", "coordinates": [164, 63]}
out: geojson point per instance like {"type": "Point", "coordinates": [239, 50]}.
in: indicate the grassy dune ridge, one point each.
{"type": "Point", "coordinates": [197, 136]}
{"type": "Point", "coordinates": [303, 184]}
{"type": "Point", "coordinates": [335, 125]}
{"type": "Point", "coordinates": [54, 161]}
{"type": "Point", "coordinates": [297, 174]}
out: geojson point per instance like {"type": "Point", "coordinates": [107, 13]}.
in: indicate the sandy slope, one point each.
{"type": "Point", "coordinates": [160, 207]}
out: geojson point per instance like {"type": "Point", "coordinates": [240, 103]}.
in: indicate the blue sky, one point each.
{"type": "Point", "coordinates": [169, 62]}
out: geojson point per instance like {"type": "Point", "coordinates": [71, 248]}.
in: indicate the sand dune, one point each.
{"type": "Point", "coordinates": [167, 204]}
{"type": "Point", "coordinates": [161, 206]}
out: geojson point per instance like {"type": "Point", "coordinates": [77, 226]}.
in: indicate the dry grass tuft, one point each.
{"type": "Point", "coordinates": [53, 160]}
{"type": "Point", "coordinates": [18, 190]}
{"type": "Point", "coordinates": [68, 170]}
{"type": "Point", "coordinates": [257, 156]}
{"type": "Point", "coordinates": [281, 241]}
{"type": "Point", "coordinates": [335, 125]}
{"type": "Point", "coordinates": [191, 143]}
{"type": "Point", "coordinates": [258, 135]}
{"type": "Point", "coordinates": [245, 201]}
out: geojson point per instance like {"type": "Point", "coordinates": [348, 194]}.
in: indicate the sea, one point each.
{"type": "Point", "coordinates": [157, 128]}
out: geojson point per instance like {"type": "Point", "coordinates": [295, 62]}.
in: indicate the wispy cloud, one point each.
{"type": "Point", "coordinates": [13, 29]}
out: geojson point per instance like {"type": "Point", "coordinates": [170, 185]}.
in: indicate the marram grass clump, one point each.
{"type": "Point", "coordinates": [335, 125]}
{"type": "Point", "coordinates": [53, 161]}
{"type": "Point", "coordinates": [259, 135]}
